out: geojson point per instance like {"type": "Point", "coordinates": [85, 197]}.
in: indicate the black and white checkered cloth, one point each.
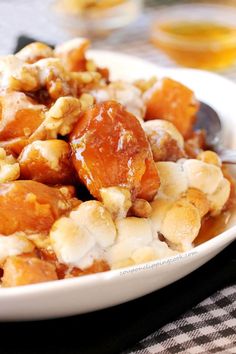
{"type": "Point", "coordinates": [210, 327]}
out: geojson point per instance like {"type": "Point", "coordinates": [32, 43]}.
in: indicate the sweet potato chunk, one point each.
{"type": "Point", "coordinates": [170, 100]}
{"type": "Point", "coordinates": [72, 54]}
{"type": "Point", "coordinates": [20, 116]}
{"type": "Point", "coordinates": [22, 270]}
{"type": "Point", "coordinates": [110, 148]}
{"type": "Point", "coordinates": [47, 162]}
{"type": "Point", "coordinates": [30, 207]}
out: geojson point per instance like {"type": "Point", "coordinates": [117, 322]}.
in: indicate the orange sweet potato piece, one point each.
{"type": "Point", "coordinates": [30, 207]}
{"type": "Point", "coordinates": [170, 100]}
{"type": "Point", "coordinates": [20, 116]}
{"type": "Point", "coordinates": [110, 148]}
{"type": "Point", "coordinates": [22, 270]}
{"type": "Point", "coordinates": [72, 54]}
{"type": "Point", "coordinates": [47, 162]}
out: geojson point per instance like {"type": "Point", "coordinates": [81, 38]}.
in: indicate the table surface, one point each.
{"type": "Point", "coordinates": [210, 327]}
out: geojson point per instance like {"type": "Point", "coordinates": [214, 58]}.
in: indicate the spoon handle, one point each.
{"type": "Point", "coordinates": [227, 155]}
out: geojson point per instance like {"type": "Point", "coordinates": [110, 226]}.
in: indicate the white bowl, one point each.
{"type": "Point", "coordinates": [98, 291]}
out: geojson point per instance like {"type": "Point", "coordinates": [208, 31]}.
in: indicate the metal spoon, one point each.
{"type": "Point", "coordinates": [208, 119]}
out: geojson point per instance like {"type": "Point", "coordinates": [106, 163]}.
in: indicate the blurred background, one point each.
{"type": "Point", "coordinates": [170, 33]}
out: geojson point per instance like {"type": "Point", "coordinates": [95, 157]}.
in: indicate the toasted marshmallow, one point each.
{"type": "Point", "coordinates": [199, 200]}
{"type": "Point", "coordinates": [203, 176]}
{"type": "Point", "coordinates": [173, 179]}
{"type": "Point", "coordinates": [117, 200]}
{"type": "Point", "coordinates": [132, 233]}
{"type": "Point", "coordinates": [14, 245]}
{"type": "Point", "coordinates": [143, 254]}
{"type": "Point", "coordinates": [93, 216]}
{"type": "Point", "coordinates": [157, 125]}
{"type": "Point", "coordinates": [219, 198]}
{"type": "Point", "coordinates": [125, 93]}
{"type": "Point", "coordinates": [136, 243]}
{"type": "Point", "coordinates": [210, 157]}
{"type": "Point", "coordinates": [72, 244]}
{"type": "Point", "coordinates": [81, 238]}
{"type": "Point", "coordinates": [181, 225]}
{"type": "Point", "coordinates": [156, 250]}
{"type": "Point", "coordinates": [162, 250]}
{"type": "Point", "coordinates": [159, 210]}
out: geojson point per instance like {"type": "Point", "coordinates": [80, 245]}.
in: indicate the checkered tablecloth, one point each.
{"type": "Point", "coordinates": [209, 327]}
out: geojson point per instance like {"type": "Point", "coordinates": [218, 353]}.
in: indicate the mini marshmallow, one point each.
{"type": "Point", "coordinates": [71, 243]}
{"type": "Point", "coordinates": [157, 125]}
{"type": "Point", "coordinates": [173, 179]}
{"type": "Point", "coordinates": [97, 220]}
{"type": "Point", "coordinates": [14, 245]}
{"type": "Point", "coordinates": [117, 200]}
{"type": "Point", "coordinates": [159, 210]}
{"type": "Point", "coordinates": [199, 200]}
{"type": "Point", "coordinates": [219, 198]}
{"type": "Point", "coordinates": [203, 176]}
{"type": "Point", "coordinates": [181, 225]}
{"type": "Point", "coordinates": [132, 233]}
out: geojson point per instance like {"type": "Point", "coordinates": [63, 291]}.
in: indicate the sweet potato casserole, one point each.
{"type": "Point", "coordinates": [97, 175]}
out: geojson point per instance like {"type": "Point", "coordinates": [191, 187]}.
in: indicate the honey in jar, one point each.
{"type": "Point", "coordinates": [201, 36]}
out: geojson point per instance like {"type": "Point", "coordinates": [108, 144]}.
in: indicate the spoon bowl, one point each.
{"type": "Point", "coordinates": [209, 120]}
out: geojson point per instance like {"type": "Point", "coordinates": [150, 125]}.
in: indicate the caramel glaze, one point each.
{"type": "Point", "coordinates": [213, 226]}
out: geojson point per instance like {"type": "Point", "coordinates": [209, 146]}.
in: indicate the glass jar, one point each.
{"type": "Point", "coordinates": [197, 35]}
{"type": "Point", "coordinates": [96, 18]}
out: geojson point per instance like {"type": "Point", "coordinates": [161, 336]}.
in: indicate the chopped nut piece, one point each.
{"type": "Point", "coordinates": [60, 119]}
{"type": "Point", "coordinates": [86, 101]}
{"type": "Point", "coordinates": [17, 75]}
{"type": "Point", "coordinates": [9, 168]}
{"type": "Point", "coordinates": [145, 85]}
{"type": "Point", "coordinates": [34, 52]}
